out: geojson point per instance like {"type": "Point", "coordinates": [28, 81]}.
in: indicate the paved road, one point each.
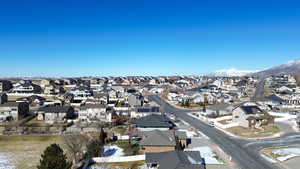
{"type": "Point", "coordinates": [240, 150]}
{"type": "Point", "coordinates": [285, 126]}
{"type": "Point", "coordinates": [291, 139]}
{"type": "Point", "coordinates": [259, 91]}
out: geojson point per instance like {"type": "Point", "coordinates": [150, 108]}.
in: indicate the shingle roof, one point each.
{"type": "Point", "coordinates": [153, 120]}
{"type": "Point", "coordinates": [251, 109]}
{"type": "Point", "coordinates": [159, 138]}
{"type": "Point", "coordinates": [176, 159]}
{"type": "Point", "coordinates": [56, 109]}
{"type": "Point", "coordinates": [275, 98]}
{"type": "Point", "coordinates": [92, 106]}
{"type": "Point", "coordinates": [31, 98]}
{"type": "Point", "coordinates": [10, 104]}
{"type": "Point", "coordinates": [220, 106]}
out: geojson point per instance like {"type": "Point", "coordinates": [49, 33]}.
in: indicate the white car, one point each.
{"type": "Point", "coordinates": [211, 123]}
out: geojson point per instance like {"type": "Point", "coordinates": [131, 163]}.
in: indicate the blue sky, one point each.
{"type": "Point", "coordinates": [145, 37]}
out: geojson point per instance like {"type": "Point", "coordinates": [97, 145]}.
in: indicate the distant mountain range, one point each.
{"type": "Point", "coordinates": [288, 68]}
{"type": "Point", "coordinates": [291, 67]}
{"type": "Point", "coordinates": [231, 73]}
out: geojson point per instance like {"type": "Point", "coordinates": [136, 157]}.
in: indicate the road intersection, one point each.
{"type": "Point", "coordinates": [243, 152]}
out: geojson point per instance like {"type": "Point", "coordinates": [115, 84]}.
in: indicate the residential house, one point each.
{"type": "Point", "coordinates": [175, 160]}
{"type": "Point", "coordinates": [33, 100]}
{"type": "Point", "coordinates": [136, 99]}
{"type": "Point", "coordinates": [45, 82]}
{"type": "Point", "coordinates": [285, 90]}
{"type": "Point", "coordinates": [93, 113]}
{"type": "Point", "coordinates": [12, 111]}
{"type": "Point", "coordinates": [53, 89]}
{"type": "Point", "coordinates": [152, 122]}
{"type": "Point", "coordinates": [81, 92]}
{"type": "Point", "coordinates": [161, 141]}
{"type": "Point", "coordinates": [273, 101]}
{"type": "Point", "coordinates": [145, 110]}
{"type": "Point", "coordinates": [5, 85]}
{"type": "Point", "coordinates": [54, 113]}
{"type": "Point", "coordinates": [26, 87]}
{"type": "Point", "coordinates": [3, 98]}
{"type": "Point", "coordinates": [221, 109]}
{"type": "Point", "coordinates": [251, 116]}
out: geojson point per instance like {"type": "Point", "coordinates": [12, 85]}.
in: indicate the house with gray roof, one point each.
{"type": "Point", "coordinates": [26, 87]}
{"type": "Point", "coordinates": [55, 113]}
{"type": "Point", "coordinates": [161, 141]}
{"type": "Point", "coordinates": [12, 111]}
{"type": "Point", "coordinates": [5, 85]}
{"type": "Point", "coordinates": [3, 98]}
{"type": "Point", "coordinates": [152, 122]}
{"type": "Point", "coordinates": [175, 160]}
{"type": "Point", "coordinates": [93, 113]}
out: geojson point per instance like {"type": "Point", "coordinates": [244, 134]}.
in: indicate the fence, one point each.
{"type": "Point", "coordinates": [118, 159]}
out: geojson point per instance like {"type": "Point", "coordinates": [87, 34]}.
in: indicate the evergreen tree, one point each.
{"type": "Point", "coordinates": [204, 108]}
{"type": "Point", "coordinates": [102, 136]}
{"type": "Point", "coordinates": [178, 143]}
{"type": "Point", "coordinates": [94, 149]}
{"type": "Point", "coordinates": [54, 158]}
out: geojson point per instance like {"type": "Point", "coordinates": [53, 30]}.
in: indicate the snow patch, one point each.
{"type": "Point", "coordinates": [5, 162]}
{"type": "Point", "coordinates": [206, 153]}
{"type": "Point", "coordinates": [268, 158]}
{"type": "Point", "coordinates": [118, 153]}
{"type": "Point", "coordinates": [286, 153]}
{"type": "Point", "coordinates": [189, 134]}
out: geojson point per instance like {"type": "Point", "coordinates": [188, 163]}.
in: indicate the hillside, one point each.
{"type": "Point", "coordinates": [291, 67]}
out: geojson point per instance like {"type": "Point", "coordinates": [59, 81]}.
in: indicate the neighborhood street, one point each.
{"type": "Point", "coordinates": [243, 152]}
{"type": "Point", "coordinates": [259, 91]}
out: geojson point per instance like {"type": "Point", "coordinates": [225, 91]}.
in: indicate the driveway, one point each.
{"type": "Point", "coordinates": [285, 126]}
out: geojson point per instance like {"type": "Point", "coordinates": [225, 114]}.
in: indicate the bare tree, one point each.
{"type": "Point", "coordinates": [75, 145]}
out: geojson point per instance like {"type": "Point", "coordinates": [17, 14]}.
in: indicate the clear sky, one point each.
{"type": "Point", "coordinates": [145, 37]}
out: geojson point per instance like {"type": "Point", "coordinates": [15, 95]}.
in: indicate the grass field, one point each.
{"type": "Point", "coordinates": [25, 151]}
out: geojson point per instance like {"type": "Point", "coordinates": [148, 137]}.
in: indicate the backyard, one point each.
{"type": "Point", "coordinates": [24, 151]}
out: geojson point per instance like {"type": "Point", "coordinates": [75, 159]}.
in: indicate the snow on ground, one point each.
{"type": "Point", "coordinates": [268, 158]}
{"type": "Point", "coordinates": [5, 161]}
{"type": "Point", "coordinates": [206, 153]}
{"type": "Point", "coordinates": [190, 134]}
{"type": "Point", "coordinates": [118, 153]}
{"type": "Point", "coordinates": [286, 153]}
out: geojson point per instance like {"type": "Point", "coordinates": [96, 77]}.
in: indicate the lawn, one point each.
{"type": "Point", "coordinates": [123, 130]}
{"type": "Point", "coordinates": [190, 106]}
{"type": "Point", "coordinates": [224, 122]}
{"type": "Point", "coordinates": [271, 152]}
{"type": "Point", "coordinates": [24, 151]}
{"type": "Point", "coordinates": [36, 123]}
{"type": "Point", "coordinates": [40, 123]}
{"type": "Point", "coordinates": [128, 150]}
{"type": "Point", "coordinates": [269, 130]}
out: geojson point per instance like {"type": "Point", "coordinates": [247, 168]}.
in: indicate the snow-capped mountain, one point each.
{"type": "Point", "coordinates": [291, 67]}
{"type": "Point", "coordinates": [232, 72]}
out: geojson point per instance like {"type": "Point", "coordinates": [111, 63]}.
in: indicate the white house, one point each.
{"type": "Point", "coordinates": [26, 87]}
{"type": "Point", "coordinates": [93, 113]}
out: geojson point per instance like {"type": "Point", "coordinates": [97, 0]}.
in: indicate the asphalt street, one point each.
{"type": "Point", "coordinates": [259, 91]}
{"type": "Point", "coordinates": [243, 152]}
